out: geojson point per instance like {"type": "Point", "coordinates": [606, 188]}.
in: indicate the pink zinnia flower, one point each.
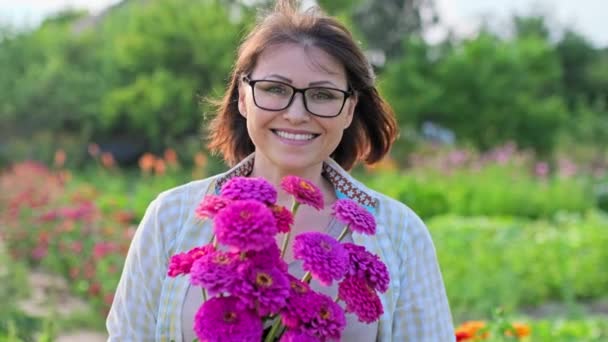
{"type": "Point", "coordinates": [216, 272]}
{"type": "Point", "coordinates": [244, 188]}
{"type": "Point", "coordinates": [210, 206]}
{"type": "Point", "coordinates": [303, 190]}
{"type": "Point", "coordinates": [368, 266]}
{"type": "Point", "coordinates": [263, 290]}
{"type": "Point", "coordinates": [298, 308]}
{"type": "Point", "coordinates": [356, 217]}
{"type": "Point", "coordinates": [327, 320]}
{"type": "Point", "coordinates": [246, 225]}
{"type": "Point", "coordinates": [360, 299]}
{"type": "Point", "coordinates": [284, 218]}
{"type": "Point", "coordinates": [220, 319]}
{"type": "Point", "coordinates": [263, 258]}
{"type": "Point", "coordinates": [297, 336]}
{"type": "Point", "coordinates": [322, 255]}
{"type": "Point", "coordinates": [181, 263]}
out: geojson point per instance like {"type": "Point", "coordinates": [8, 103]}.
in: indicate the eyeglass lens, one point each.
{"type": "Point", "coordinates": [320, 101]}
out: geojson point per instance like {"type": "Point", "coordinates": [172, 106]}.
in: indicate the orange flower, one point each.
{"type": "Point", "coordinates": [159, 167]}
{"type": "Point", "coordinates": [107, 160]}
{"type": "Point", "coordinates": [124, 216]}
{"type": "Point", "coordinates": [463, 335]}
{"type": "Point", "coordinates": [60, 158]}
{"type": "Point", "coordinates": [521, 330]}
{"type": "Point", "coordinates": [93, 150]}
{"type": "Point", "coordinates": [146, 162]}
{"type": "Point", "coordinates": [469, 330]}
{"type": "Point", "coordinates": [200, 160]}
{"type": "Point", "coordinates": [170, 156]}
{"type": "Point", "coordinates": [386, 164]}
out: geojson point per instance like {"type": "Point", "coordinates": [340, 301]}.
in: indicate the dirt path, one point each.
{"type": "Point", "coordinates": [50, 297]}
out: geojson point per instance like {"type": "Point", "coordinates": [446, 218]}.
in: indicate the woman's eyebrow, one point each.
{"type": "Point", "coordinates": [318, 83]}
{"type": "Point", "coordinates": [288, 80]}
{"type": "Point", "coordinates": [282, 78]}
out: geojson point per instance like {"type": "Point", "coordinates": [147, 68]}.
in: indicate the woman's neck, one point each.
{"type": "Point", "coordinates": [274, 175]}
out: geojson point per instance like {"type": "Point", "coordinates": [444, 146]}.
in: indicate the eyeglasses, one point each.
{"type": "Point", "coordinates": [276, 96]}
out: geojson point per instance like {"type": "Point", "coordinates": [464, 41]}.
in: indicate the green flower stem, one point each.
{"type": "Point", "coordinates": [214, 242]}
{"type": "Point", "coordinates": [306, 278]}
{"type": "Point", "coordinates": [294, 208]}
{"type": "Point", "coordinates": [343, 233]}
{"type": "Point", "coordinates": [275, 327]}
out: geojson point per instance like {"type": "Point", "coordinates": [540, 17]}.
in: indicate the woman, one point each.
{"type": "Point", "coordinates": [301, 101]}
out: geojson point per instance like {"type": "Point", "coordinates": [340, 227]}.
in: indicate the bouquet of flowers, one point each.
{"type": "Point", "coordinates": [245, 281]}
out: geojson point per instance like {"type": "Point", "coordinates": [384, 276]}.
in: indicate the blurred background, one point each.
{"type": "Point", "coordinates": [503, 108]}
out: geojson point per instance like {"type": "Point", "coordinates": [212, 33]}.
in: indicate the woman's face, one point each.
{"type": "Point", "coordinates": [292, 139]}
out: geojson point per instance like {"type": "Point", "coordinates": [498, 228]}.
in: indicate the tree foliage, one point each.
{"type": "Point", "coordinates": [141, 69]}
{"type": "Point", "coordinates": [487, 90]}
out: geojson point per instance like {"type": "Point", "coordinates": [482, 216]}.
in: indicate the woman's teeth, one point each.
{"type": "Point", "coordinates": [294, 136]}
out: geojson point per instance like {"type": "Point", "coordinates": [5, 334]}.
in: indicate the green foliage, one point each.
{"type": "Point", "coordinates": [15, 326]}
{"type": "Point", "coordinates": [493, 190]}
{"type": "Point", "coordinates": [49, 78]}
{"type": "Point", "coordinates": [139, 70]}
{"type": "Point", "coordinates": [403, 18]}
{"type": "Point", "coordinates": [515, 263]}
{"type": "Point", "coordinates": [562, 330]}
{"type": "Point", "coordinates": [487, 90]}
{"type": "Point", "coordinates": [163, 61]}
{"type": "Point", "coordinates": [577, 57]}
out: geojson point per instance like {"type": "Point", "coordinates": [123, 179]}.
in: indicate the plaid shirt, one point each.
{"type": "Point", "coordinates": [148, 304]}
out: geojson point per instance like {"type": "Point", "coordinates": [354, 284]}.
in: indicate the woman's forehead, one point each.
{"type": "Point", "coordinates": [299, 61]}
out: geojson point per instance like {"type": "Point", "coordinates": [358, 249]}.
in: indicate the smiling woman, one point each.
{"type": "Point", "coordinates": [301, 102]}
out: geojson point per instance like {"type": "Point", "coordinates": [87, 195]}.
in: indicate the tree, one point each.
{"type": "Point", "coordinates": [487, 90]}
{"type": "Point", "coordinates": [164, 59]}
{"type": "Point", "coordinates": [385, 24]}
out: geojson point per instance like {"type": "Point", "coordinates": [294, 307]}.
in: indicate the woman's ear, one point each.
{"type": "Point", "coordinates": [350, 110]}
{"type": "Point", "coordinates": [242, 99]}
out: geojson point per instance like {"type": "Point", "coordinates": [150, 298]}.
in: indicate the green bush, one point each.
{"type": "Point", "coordinates": [493, 190]}
{"type": "Point", "coordinates": [561, 330]}
{"type": "Point", "coordinates": [487, 90]}
{"type": "Point", "coordinates": [517, 263]}
{"type": "Point", "coordinates": [15, 326]}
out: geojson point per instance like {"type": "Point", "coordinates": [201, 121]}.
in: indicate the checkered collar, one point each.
{"type": "Point", "coordinates": [344, 185]}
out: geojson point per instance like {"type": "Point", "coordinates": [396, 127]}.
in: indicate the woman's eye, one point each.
{"type": "Point", "coordinates": [275, 89]}
{"type": "Point", "coordinates": [323, 95]}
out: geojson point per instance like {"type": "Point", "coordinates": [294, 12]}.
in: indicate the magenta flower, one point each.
{"type": "Point", "coordinates": [181, 263]}
{"type": "Point", "coordinates": [220, 319]}
{"type": "Point", "coordinates": [360, 299]}
{"type": "Point", "coordinates": [304, 191]}
{"type": "Point", "coordinates": [263, 290]}
{"type": "Point", "coordinates": [368, 266]}
{"type": "Point", "coordinates": [216, 272]}
{"type": "Point", "coordinates": [263, 258]}
{"type": "Point", "coordinates": [297, 336]}
{"type": "Point", "coordinates": [210, 206]}
{"type": "Point", "coordinates": [244, 188]}
{"type": "Point", "coordinates": [297, 306]}
{"type": "Point", "coordinates": [356, 217]}
{"type": "Point", "coordinates": [284, 218]}
{"type": "Point", "coordinates": [245, 225]}
{"type": "Point", "coordinates": [325, 319]}
{"type": "Point", "coordinates": [322, 255]}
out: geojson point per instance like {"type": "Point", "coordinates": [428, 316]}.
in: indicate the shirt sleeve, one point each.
{"type": "Point", "coordinates": [422, 311]}
{"type": "Point", "coordinates": [134, 311]}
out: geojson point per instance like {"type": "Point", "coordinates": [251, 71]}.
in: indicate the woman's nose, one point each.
{"type": "Point", "coordinates": [297, 110]}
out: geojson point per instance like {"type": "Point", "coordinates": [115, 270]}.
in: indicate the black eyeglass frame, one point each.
{"type": "Point", "coordinates": [347, 94]}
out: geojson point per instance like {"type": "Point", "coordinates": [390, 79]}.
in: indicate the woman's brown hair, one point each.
{"type": "Point", "coordinates": [373, 129]}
